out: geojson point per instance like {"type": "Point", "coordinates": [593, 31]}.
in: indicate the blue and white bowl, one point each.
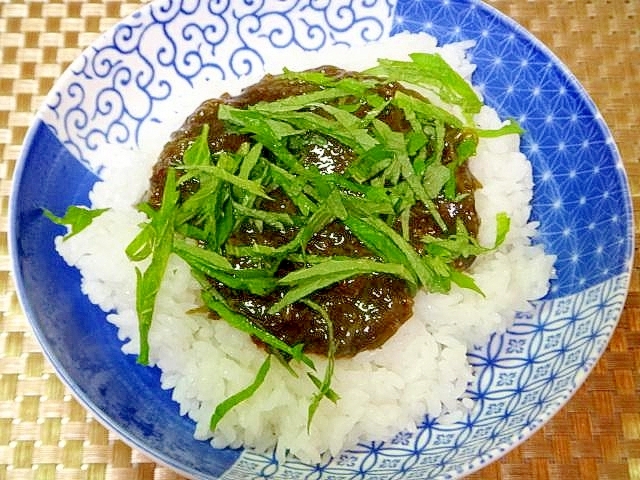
{"type": "Point", "coordinates": [115, 92]}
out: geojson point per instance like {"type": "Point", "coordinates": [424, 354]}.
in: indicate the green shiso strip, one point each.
{"type": "Point", "coordinates": [324, 385]}
{"type": "Point", "coordinates": [246, 393]}
{"type": "Point", "coordinates": [390, 173]}
{"type": "Point", "coordinates": [77, 218]}
{"type": "Point", "coordinates": [156, 239]}
{"type": "Point", "coordinates": [430, 71]}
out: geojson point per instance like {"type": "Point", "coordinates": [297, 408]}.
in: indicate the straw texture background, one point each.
{"type": "Point", "coordinates": [46, 434]}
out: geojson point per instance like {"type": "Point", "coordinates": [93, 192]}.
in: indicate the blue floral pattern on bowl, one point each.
{"type": "Point", "coordinates": [114, 93]}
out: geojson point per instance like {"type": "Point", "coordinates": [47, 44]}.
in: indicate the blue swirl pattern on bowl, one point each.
{"type": "Point", "coordinates": [114, 93]}
{"type": "Point", "coordinates": [110, 94]}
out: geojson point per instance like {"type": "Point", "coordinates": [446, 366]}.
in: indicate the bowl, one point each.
{"type": "Point", "coordinates": [115, 93]}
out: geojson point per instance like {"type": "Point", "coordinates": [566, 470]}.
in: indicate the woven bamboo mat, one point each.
{"type": "Point", "coordinates": [46, 434]}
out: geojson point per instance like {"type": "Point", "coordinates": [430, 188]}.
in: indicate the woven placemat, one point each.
{"type": "Point", "coordinates": [46, 434]}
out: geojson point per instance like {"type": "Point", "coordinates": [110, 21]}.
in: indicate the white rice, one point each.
{"type": "Point", "coordinates": [422, 370]}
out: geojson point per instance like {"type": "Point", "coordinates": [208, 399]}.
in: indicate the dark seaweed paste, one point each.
{"type": "Point", "coordinates": [365, 309]}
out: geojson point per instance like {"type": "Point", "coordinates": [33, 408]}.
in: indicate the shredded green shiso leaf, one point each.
{"type": "Point", "coordinates": [391, 172]}
{"type": "Point", "coordinates": [77, 218]}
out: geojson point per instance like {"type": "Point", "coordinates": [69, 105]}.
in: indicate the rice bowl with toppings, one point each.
{"type": "Point", "coordinates": [422, 370]}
